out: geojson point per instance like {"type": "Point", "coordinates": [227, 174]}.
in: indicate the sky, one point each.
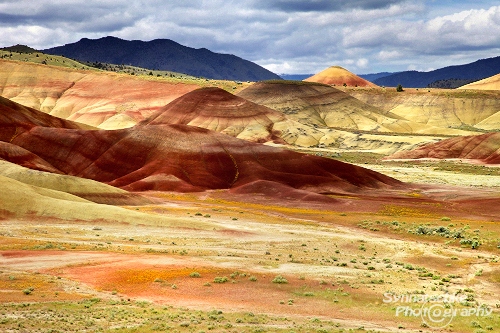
{"type": "Point", "coordinates": [284, 36]}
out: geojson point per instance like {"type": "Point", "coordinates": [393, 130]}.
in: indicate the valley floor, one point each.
{"type": "Point", "coordinates": [255, 267]}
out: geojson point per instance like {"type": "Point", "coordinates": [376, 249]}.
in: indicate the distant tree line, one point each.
{"type": "Point", "coordinates": [450, 83]}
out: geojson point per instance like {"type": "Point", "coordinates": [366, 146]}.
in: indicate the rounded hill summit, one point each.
{"type": "Point", "coordinates": [339, 76]}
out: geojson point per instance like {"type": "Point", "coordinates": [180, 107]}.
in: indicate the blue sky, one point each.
{"type": "Point", "coordinates": [285, 36]}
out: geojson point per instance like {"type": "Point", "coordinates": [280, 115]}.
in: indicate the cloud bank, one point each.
{"type": "Point", "coordinates": [285, 36]}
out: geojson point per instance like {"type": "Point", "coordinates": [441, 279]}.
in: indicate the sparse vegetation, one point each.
{"type": "Point", "coordinates": [195, 275]}
{"type": "Point", "coordinates": [280, 280]}
{"type": "Point", "coordinates": [221, 279]}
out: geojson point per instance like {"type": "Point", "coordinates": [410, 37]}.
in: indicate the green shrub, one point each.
{"type": "Point", "coordinates": [280, 280]}
{"type": "Point", "coordinates": [220, 279]}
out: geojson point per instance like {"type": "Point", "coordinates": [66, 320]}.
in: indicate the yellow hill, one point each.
{"type": "Point", "coordinates": [449, 109]}
{"type": "Point", "coordinates": [339, 76]}
{"type": "Point", "coordinates": [490, 83]}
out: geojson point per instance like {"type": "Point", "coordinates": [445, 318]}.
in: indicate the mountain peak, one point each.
{"type": "Point", "coordinates": [164, 54]}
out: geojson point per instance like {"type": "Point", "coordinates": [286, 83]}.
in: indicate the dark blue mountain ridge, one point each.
{"type": "Point", "coordinates": [374, 76]}
{"type": "Point", "coordinates": [164, 54]}
{"type": "Point", "coordinates": [474, 71]}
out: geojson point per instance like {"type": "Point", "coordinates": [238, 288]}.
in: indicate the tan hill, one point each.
{"type": "Point", "coordinates": [316, 104]}
{"type": "Point", "coordinates": [489, 83]}
{"type": "Point", "coordinates": [218, 110]}
{"type": "Point", "coordinates": [483, 148]}
{"type": "Point", "coordinates": [330, 117]}
{"type": "Point", "coordinates": [445, 108]}
{"type": "Point", "coordinates": [26, 117]}
{"type": "Point", "coordinates": [84, 188]}
{"type": "Point", "coordinates": [338, 76]}
{"type": "Point", "coordinates": [22, 200]}
{"type": "Point", "coordinates": [321, 105]}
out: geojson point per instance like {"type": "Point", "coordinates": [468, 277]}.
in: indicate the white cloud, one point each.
{"type": "Point", "coordinates": [283, 35]}
{"type": "Point", "coordinates": [362, 63]}
{"type": "Point", "coordinates": [385, 55]}
{"type": "Point", "coordinates": [458, 32]}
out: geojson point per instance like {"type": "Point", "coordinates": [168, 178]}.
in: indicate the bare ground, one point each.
{"type": "Point", "coordinates": [338, 265]}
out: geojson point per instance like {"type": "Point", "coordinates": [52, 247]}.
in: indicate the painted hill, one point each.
{"type": "Point", "coordinates": [318, 105]}
{"type": "Point", "coordinates": [453, 109]}
{"type": "Point", "coordinates": [413, 79]}
{"type": "Point", "coordinates": [220, 111]}
{"type": "Point", "coordinates": [21, 118]}
{"type": "Point", "coordinates": [483, 148]}
{"type": "Point", "coordinates": [164, 54]}
{"type": "Point", "coordinates": [489, 83]}
{"type": "Point", "coordinates": [178, 158]}
{"type": "Point", "coordinates": [217, 110]}
{"type": "Point", "coordinates": [339, 76]}
{"type": "Point", "coordinates": [107, 100]}
{"type": "Point", "coordinates": [22, 199]}
{"type": "Point", "coordinates": [322, 106]}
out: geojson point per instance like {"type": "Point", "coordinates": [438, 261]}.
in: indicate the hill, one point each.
{"type": "Point", "coordinates": [339, 76]}
{"type": "Point", "coordinates": [413, 79]}
{"type": "Point", "coordinates": [450, 83]}
{"type": "Point", "coordinates": [103, 99]}
{"type": "Point", "coordinates": [483, 148]}
{"type": "Point", "coordinates": [164, 54]}
{"type": "Point", "coordinates": [173, 158]}
{"type": "Point", "coordinates": [19, 49]}
{"type": "Point", "coordinates": [489, 83]}
{"type": "Point", "coordinates": [317, 105]}
{"type": "Point", "coordinates": [446, 108]}
{"type": "Point", "coordinates": [327, 116]}
{"type": "Point", "coordinates": [217, 110]}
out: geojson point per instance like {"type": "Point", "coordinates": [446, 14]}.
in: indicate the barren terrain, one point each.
{"type": "Point", "coordinates": [174, 223]}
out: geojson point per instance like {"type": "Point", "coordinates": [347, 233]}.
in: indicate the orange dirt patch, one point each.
{"type": "Point", "coordinates": [22, 287]}
{"type": "Point", "coordinates": [147, 278]}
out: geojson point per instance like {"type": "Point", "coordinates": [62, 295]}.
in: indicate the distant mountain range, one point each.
{"type": "Point", "coordinates": [167, 55]}
{"type": "Point", "coordinates": [164, 54]}
{"type": "Point", "coordinates": [295, 77]}
{"type": "Point", "coordinates": [375, 76]}
{"type": "Point", "coordinates": [466, 73]}
{"type": "Point", "coordinates": [446, 77]}
{"type": "Point", "coordinates": [300, 77]}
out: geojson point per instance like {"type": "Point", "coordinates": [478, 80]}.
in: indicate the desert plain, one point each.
{"type": "Point", "coordinates": [153, 203]}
